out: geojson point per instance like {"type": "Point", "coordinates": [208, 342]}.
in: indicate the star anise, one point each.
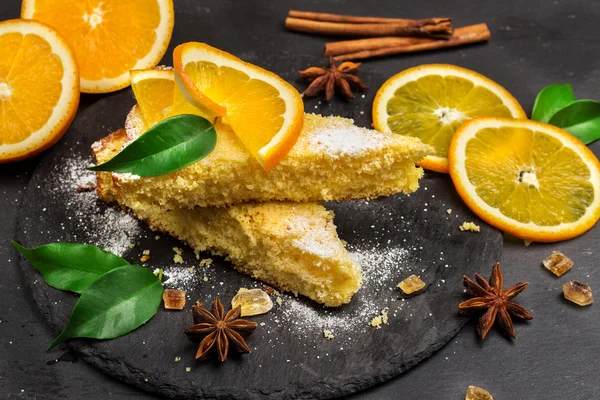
{"type": "Point", "coordinates": [216, 329]}
{"type": "Point", "coordinates": [342, 78]}
{"type": "Point", "coordinates": [490, 296]}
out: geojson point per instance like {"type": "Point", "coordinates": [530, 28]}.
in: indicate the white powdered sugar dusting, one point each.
{"type": "Point", "coordinates": [340, 140]}
{"type": "Point", "coordinates": [311, 239]}
{"type": "Point", "coordinates": [381, 268]}
{"type": "Point", "coordinates": [108, 228]}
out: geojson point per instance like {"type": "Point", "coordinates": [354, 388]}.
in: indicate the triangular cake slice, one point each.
{"type": "Point", "coordinates": [332, 160]}
{"type": "Point", "coordinates": [292, 246]}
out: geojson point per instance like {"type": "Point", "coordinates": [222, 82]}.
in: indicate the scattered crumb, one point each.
{"type": "Point", "coordinates": [328, 334]}
{"type": "Point", "coordinates": [131, 245]}
{"type": "Point", "coordinates": [278, 300]}
{"type": "Point", "coordinates": [191, 269]}
{"type": "Point", "coordinates": [469, 226]}
{"type": "Point", "coordinates": [177, 359]}
{"type": "Point", "coordinates": [145, 379]}
{"type": "Point", "coordinates": [449, 211]}
{"type": "Point", "coordinates": [177, 259]}
{"type": "Point", "coordinates": [156, 237]}
{"type": "Point", "coordinates": [146, 256]}
{"type": "Point", "coordinates": [205, 262]}
{"type": "Point", "coordinates": [86, 187]}
{"type": "Point", "coordinates": [205, 279]}
{"type": "Point", "coordinates": [380, 320]}
{"type": "Point", "coordinates": [527, 242]}
{"type": "Point", "coordinates": [187, 369]}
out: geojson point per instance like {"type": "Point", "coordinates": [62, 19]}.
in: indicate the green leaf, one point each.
{"type": "Point", "coordinates": [114, 305]}
{"type": "Point", "coordinates": [70, 266]}
{"type": "Point", "coordinates": [166, 147]}
{"type": "Point", "coordinates": [580, 118]}
{"type": "Point", "coordinates": [551, 99]}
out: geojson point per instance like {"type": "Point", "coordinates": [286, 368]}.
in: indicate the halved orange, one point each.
{"type": "Point", "coordinates": [265, 112]}
{"type": "Point", "coordinates": [532, 180]}
{"type": "Point", "coordinates": [109, 37]}
{"type": "Point", "coordinates": [39, 88]}
{"type": "Point", "coordinates": [431, 101]}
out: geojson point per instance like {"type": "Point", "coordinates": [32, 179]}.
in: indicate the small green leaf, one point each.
{"type": "Point", "coordinates": [580, 118]}
{"type": "Point", "coordinates": [70, 266]}
{"type": "Point", "coordinates": [551, 99]}
{"type": "Point", "coordinates": [166, 147]}
{"type": "Point", "coordinates": [114, 305]}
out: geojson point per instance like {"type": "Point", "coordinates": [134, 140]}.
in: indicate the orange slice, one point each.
{"type": "Point", "coordinates": [265, 112]}
{"type": "Point", "coordinates": [109, 37]}
{"type": "Point", "coordinates": [39, 88]}
{"type": "Point", "coordinates": [532, 180]}
{"type": "Point", "coordinates": [157, 95]}
{"type": "Point", "coordinates": [432, 101]}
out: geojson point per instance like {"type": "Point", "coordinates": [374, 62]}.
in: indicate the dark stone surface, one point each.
{"type": "Point", "coordinates": [300, 363]}
{"type": "Point", "coordinates": [534, 43]}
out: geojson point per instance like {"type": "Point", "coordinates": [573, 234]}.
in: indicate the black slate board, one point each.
{"type": "Point", "coordinates": [291, 358]}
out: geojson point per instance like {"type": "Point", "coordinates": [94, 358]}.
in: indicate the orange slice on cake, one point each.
{"type": "Point", "coordinates": [265, 112]}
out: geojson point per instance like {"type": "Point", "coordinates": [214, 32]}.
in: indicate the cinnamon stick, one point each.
{"type": "Point", "coordinates": [315, 16]}
{"type": "Point", "coordinates": [404, 28]}
{"type": "Point", "coordinates": [352, 46]}
{"type": "Point", "coordinates": [377, 47]}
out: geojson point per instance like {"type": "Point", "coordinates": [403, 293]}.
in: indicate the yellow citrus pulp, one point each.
{"type": "Point", "coordinates": [157, 95]}
{"type": "Point", "coordinates": [39, 88]}
{"type": "Point", "coordinates": [109, 37]}
{"type": "Point", "coordinates": [532, 180]}
{"type": "Point", "coordinates": [432, 101]}
{"type": "Point", "coordinates": [265, 112]}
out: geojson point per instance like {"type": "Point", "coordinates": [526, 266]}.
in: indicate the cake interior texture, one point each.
{"type": "Point", "coordinates": [332, 160]}
{"type": "Point", "coordinates": [291, 246]}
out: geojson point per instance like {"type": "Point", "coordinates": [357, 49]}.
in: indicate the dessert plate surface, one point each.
{"type": "Point", "coordinates": [391, 237]}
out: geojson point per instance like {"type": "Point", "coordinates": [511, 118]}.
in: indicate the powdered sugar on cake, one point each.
{"type": "Point", "coordinates": [337, 139]}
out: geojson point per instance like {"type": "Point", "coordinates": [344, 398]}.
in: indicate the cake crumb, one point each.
{"type": "Point", "coordinates": [191, 269]}
{"type": "Point", "coordinates": [188, 369]}
{"type": "Point", "coordinates": [527, 242]}
{"type": "Point", "coordinates": [328, 334]}
{"type": "Point", "coordinates": [205, 279]}
{"type": "Point", "coordinates": [278, 300]}
{"type": "Point", "coordinates": [177, 359]}
{"type": "Point", "coordinates": [156, 237]}
{"type": "Point", "coordinates": [145, 379]}
{"type": "Point", "coordinates": [145, 256]}
{"type": "Point", "coordinates": [205, 262]}
{"type": "Point", "coordinates": [449, 211]}
{"type": "Point", "coordinates": [379, 320]}
{"type": "Point", "coordinates": [469, 226]}
{"type": "Point", "coordinates": [131, 245]}
{"type": "Point", "coordinates": [177, 259]}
